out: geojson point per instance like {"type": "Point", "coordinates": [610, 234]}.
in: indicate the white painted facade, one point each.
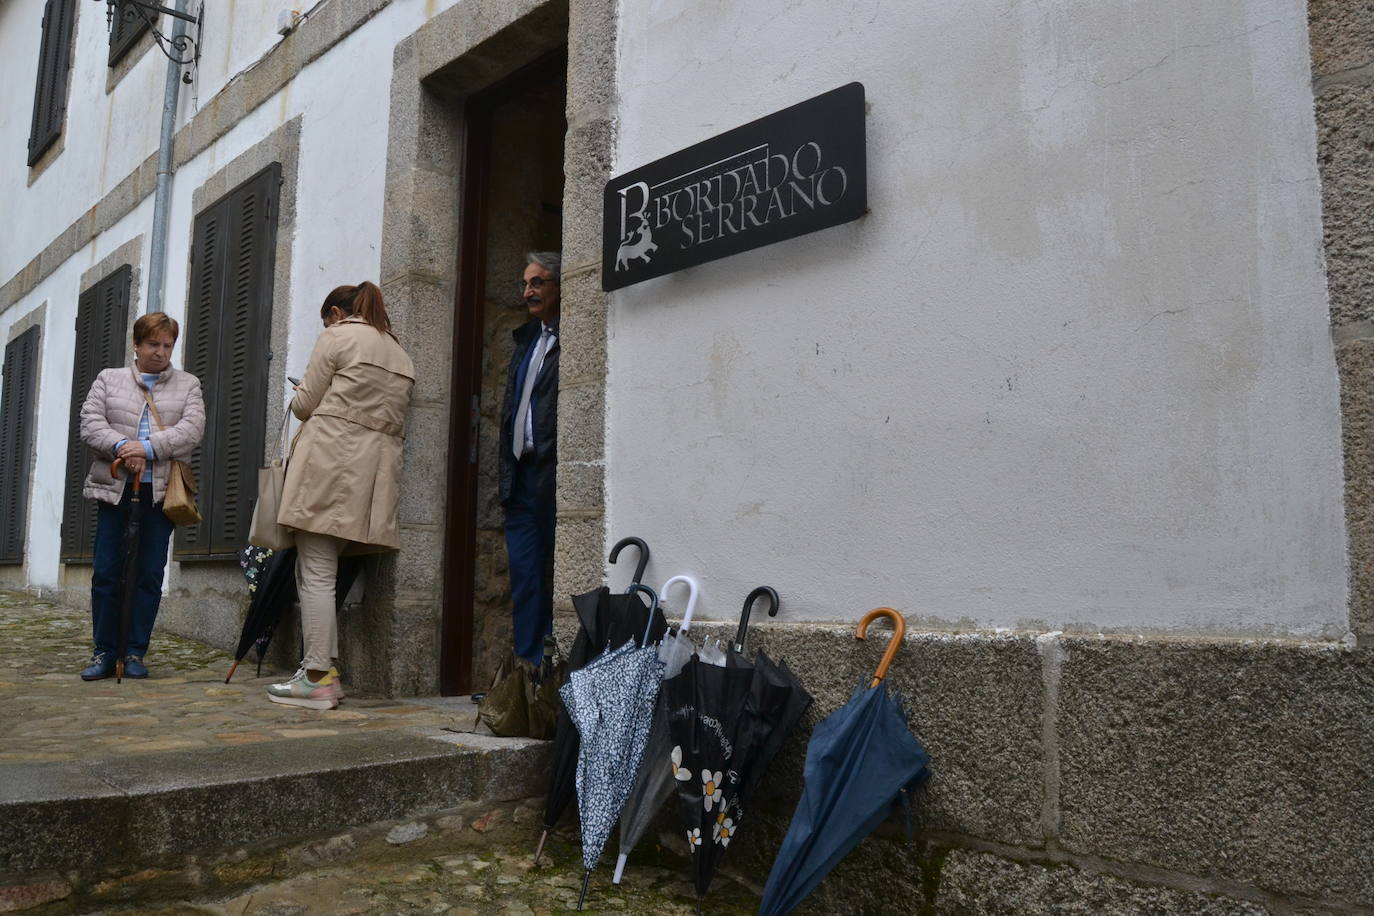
{"type": "Point", "coordinates": [1072, 371]}
{"type": "Point", "coordinates": [342, 98]}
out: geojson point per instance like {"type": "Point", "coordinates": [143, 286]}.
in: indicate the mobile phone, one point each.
{"type": "Point", "coordinates": [293, 380]}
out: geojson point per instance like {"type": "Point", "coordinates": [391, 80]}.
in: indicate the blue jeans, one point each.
{"type": "Point", "coordinates": [107, 587]}
{"type": "Point", "coordinates": [529, 545]}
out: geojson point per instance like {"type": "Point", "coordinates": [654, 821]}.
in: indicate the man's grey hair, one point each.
{"type": "Point", "coordinates": [551, 261]}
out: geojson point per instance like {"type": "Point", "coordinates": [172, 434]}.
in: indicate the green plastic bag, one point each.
{"type": "Point", "coordinates": [523, 700]}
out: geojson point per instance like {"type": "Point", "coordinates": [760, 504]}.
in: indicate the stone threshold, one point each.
{"type": "Point", "coordinates": [140, 809]}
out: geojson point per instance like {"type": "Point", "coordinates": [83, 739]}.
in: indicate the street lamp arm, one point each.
{"type": "Point", "coordinates": [180, 48]}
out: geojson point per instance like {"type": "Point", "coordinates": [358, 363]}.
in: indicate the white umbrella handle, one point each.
{"type": "Point", "coordinates": [691, 599]}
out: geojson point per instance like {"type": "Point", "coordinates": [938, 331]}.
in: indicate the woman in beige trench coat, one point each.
{"type": "Point", "coordinates": [344, 472]}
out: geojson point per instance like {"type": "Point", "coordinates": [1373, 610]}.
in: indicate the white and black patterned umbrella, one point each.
{"type": "Point", "coordinates": [611, 703]}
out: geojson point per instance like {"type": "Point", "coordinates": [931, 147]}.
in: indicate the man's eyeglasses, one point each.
{"type": "Point", "coordinates": [534, 283]}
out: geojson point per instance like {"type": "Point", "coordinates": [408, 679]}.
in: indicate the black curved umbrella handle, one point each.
{"type": "Point", "coordinates": [748, 605]}
{"type": "Point", "coordinates": [643, 556]}
{"type": "Point", "coordinates": [653, 607]}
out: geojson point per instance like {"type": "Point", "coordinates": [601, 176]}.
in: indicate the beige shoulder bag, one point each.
{"type": "Point", "coordinates": [179, 503]}
{"type": "Point", "coordinates": [264, 531]}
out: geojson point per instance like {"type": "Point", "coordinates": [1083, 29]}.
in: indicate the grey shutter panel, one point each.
{"type": "Point", "coordinates": [102, 321]}
{"type": "Point", "coordinates": [245, 329]}
{"type": "Point", "coordinates": [229, 334]}
{"type": "Point", "coordinates": [201, 344]}
{"type": "Point", "coordinates": [50, 89]}
{"type": "Point", "coordinates": [123, 35]}
{"type": "Point", "coordinates": [16, 432]}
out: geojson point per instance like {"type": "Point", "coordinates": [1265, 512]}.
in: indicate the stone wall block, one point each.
{"type": "Point", "coordinates": [486, 29]}
{"type": "Point", "coordinates": [1340, 33]}
{"type": "Point", "coordinates": [582, 329]}
{"type": "Point", "coordinates": [588, 150]}
{"type": "Point", "coordinates": [1245, 761]}
{"type": "Point", "coordinates": [424, 474]}
{"type": "Point", "coordinates": [365, 629]}
{"type": "Point", "coordinates": [1345, 132]}
{"type": "Point", "coordinates": [420, 562]}
{"type": "Point", "coordinates": [1355, 361]}
{"type": "Point", "coordinates": [414, 650]}
{"type": "Point", "coordinates": [581, 422]}
{"type": "Point", "coordinates": [419, 225]}
{"type": "Point", "coordinates": [579, 558]}
{"type": "Point", "coordinates": [591, 57]}
{"type": "Point", "coordinates": [581, 487]}
{"type": "Point", "coordinates": [974, 702]}
{"type": "Point", "coordinates": [979, 882]}
{"type": "Point", "coordinates": [421, 312]}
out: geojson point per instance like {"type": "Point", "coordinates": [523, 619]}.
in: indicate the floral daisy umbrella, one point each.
{"type": "Point", "coordinates": [726, 724]}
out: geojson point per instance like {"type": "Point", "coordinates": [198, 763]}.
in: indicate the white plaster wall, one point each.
{"type": "Point", "coordinates": [343, 98]}
{"type": "Point", "coordinates": [1073, 370]}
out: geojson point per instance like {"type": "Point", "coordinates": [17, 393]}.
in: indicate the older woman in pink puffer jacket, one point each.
{"type": "Point", "coordinates": [145, 414]}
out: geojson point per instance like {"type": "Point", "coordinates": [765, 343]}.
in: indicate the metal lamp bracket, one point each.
{"type": "Point", "coordinates": [180, 49]}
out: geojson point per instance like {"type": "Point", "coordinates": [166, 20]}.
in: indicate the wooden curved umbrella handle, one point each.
{"type": "Point", "coordinates": [898, 624]}
{"type": "Point", "coordinates": [114, 472]}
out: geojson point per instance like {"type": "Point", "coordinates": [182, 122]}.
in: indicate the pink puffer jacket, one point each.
{"type": "Point", "coordinates": [111, 413]}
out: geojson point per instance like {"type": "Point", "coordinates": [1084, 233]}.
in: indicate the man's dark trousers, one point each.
{"type": "Point", "coordinates": [529, 544]}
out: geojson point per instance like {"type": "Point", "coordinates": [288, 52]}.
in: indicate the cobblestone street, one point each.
{"type": "Point", "coordinates": [473, 858]}
{"type": "Point", "coordinates": [51, 714]}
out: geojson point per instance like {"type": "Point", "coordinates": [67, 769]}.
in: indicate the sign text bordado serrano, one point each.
{"type": "Point", "coordinates": [784, 175]}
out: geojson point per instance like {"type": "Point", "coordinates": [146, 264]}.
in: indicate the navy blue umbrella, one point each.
{"type": "Point", "coordinates": [859, 763]}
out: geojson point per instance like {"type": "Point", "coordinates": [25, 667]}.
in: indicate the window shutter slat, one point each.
{"type": "Point", "coordinates": [229, 318]}
{"type": "Point", "coordinates": [102, 321]}
{"type": "Point", "coordinates": [201, 343]}
{"type": "Point", "coordinates": [50, 89]}
{"type": "Point", "coordinates": [16, 426]}
{"type": "Point", "coordinates": [123, 35]}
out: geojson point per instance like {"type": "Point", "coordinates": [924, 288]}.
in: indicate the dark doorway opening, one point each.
{"type": "Point", "coordinates": [512, 200]}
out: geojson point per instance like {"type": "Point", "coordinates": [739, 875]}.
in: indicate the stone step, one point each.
{"type": "Point", "coordinates": [135, 809]}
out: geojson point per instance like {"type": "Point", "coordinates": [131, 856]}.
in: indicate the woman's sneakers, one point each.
{"type": "Point", "coordinates": [301, 691]}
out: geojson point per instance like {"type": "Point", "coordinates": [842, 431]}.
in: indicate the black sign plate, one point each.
{"type": "Point", "coordinates": [784, 175]}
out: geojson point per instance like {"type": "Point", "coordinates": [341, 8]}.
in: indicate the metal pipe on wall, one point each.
{"type": "Point", "coordinates": [157, 261]}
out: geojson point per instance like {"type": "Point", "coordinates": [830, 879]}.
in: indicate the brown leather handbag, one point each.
{"type": "Point", "coordinates": [179, 502]}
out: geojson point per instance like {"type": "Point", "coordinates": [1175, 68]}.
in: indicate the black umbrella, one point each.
{"type": "Point", "coordinates": [272, 582]}
{"type": "Point", "coordinates": [861, 760]}
{"type": "Point", "coordinates": [128, 548]}
{"type": "Point", "coordinates": [727, 724]}
{"type": "Point", "coordinates": [606, 620]}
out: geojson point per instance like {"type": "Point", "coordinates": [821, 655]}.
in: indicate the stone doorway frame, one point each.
{"type": "Point", "coordinates": [455, 55]}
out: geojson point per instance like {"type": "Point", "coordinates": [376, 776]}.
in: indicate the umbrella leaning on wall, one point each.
{"type": "Point", "coordinates": [605, 620]}
{"type": "Point", "coordinates": [271, 576]}
{"type": "Point", "coordinates": [861, 761]}
{"type": "Point", "coordinates": [611, 703]}
{"type": "Point", "coordinates": [726, 724]}
{"type": "Point", "coordinates": [654, 782]}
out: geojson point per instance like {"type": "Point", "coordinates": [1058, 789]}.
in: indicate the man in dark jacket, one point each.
{"type": "Point", "coordinates": [529, 455]}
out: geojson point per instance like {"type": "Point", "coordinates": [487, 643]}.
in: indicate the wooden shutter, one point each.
{"type": "Point", "coordinates": [229, 317]}
{"type": "Point", "coordinates": [102, 322]}
{"type": "Point", "coordinates": [16, 431]}
{"type": "Point", "coordinates": [50, 89]}
{"type": "Point", "coordinates": [123, 34]}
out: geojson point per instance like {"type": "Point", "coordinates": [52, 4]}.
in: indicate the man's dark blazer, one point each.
{"type": "Point", "coordinates": [543, 407]}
